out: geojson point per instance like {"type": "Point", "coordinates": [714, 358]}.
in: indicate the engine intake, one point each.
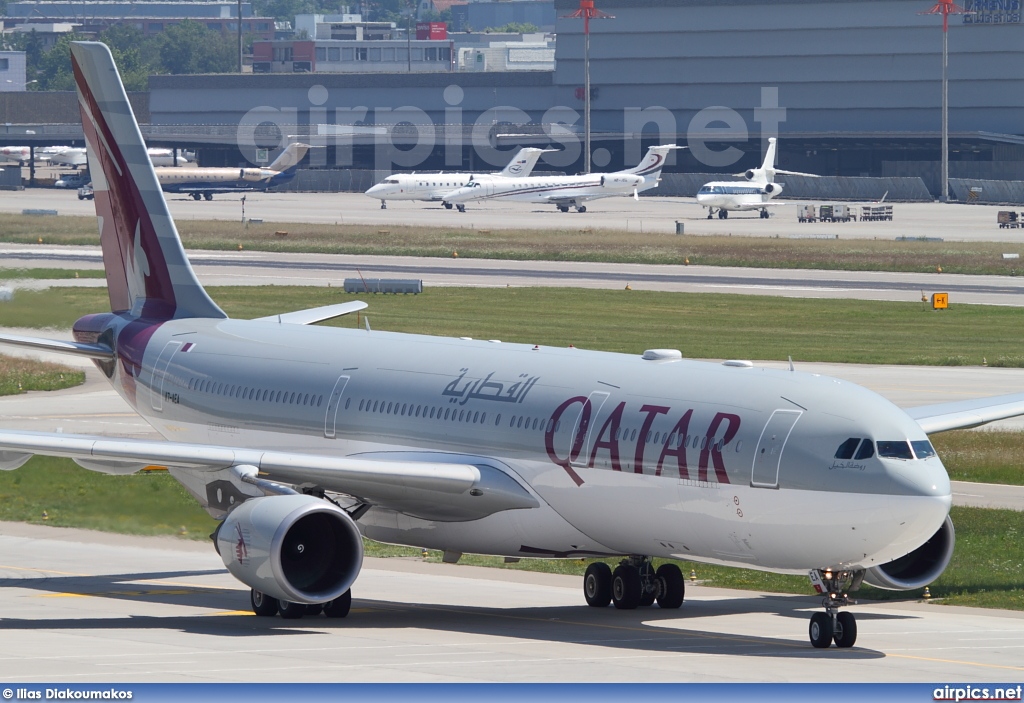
{"type": "Point", "coordinates": [294, 547]}
{"type": "Point", "coordinates": [773, 188]}
{"type": "Point", "coordinates": [920, 567]}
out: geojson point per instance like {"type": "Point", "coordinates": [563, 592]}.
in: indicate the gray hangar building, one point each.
{"type": "Point", "coordinates": [851, 87]}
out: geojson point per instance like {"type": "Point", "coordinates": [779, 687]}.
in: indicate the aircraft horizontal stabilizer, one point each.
{"type": "Point", "coordinates": [964, 414]}
{"type": "Point", "coordinates": [425, 489]}
{"type": "Point", "coordinates": [92, 351]}
{"type": "Point", "coordinates": [797, 173]}
{"type": "Point", "coordinates": [314, 315]}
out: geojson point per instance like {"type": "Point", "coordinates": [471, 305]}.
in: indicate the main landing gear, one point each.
{"type": "Point", "coordinates": [383, 204]}
{"type": "Point", "coordinates": [832, 625]}
{"type": "Point", "coordinates": [764, 213]}
{"type": "Point", "coordinates": [447, 206]}
{"type": "Point", "coordinates": [267, 606]}
{"type": "Point", "coordinates": [634, 583]}
{"type": "Point", "coordinates": [722, 214]}
{"type": "Point", "coordinates": [460, 208]}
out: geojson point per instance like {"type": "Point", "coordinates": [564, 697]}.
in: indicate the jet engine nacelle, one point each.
{"type": "Point", "coordinates": [920, 567]}
{"type": "Point", "coordinates": [293, 547]}
{"type": "Point", "coordinates": [750, 174]}
{"type": "Point", "coordinates": [773, 189]}
{"type": "Point", "coordinates": [254, 174]}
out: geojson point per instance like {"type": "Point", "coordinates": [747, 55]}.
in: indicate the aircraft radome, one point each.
{"type": "Point", "coordinates": [301, 439]}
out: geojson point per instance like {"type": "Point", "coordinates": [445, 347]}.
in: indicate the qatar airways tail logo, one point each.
{"type": "Point", "coordinates": [618, 434]}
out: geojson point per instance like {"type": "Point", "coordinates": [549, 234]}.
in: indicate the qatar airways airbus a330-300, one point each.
{"type": "Point", "coordinates": [301, 439]}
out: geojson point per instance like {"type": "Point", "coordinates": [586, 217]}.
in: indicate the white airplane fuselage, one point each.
{"type": "Point", "coordinates": [737, 195]}
{"type": "Point", "coordinates": [428, 187]}
{"type": "Point", "coordinates": [554, 190]}
{"type": "Point", "coordinates": [625, 455]}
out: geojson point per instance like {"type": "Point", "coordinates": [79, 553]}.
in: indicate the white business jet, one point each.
{"type": "Point", "coordinates": [433, 187]}
{"type": "Point", "coordinates": [301, 439]}
{"type": "Point", "coordinates": [756, 193]}
{"type": "Point", "coordinates": [566, 191]}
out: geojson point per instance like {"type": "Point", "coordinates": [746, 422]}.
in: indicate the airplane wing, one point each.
{"type": "Point", "coordinates": [797, 173]}
{"type": "Point", "coordinates": [314, 315]}
{"type": "Point", "coordinates": [964, 414]}
{"type": "Point", "coordinates": [427, 489]}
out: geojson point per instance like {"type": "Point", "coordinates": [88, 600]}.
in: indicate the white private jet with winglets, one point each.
{"type": "Point", "coordinates": [433, 187]}
{"type": "Point", "coordinates": [565, 191]}
{"type": "Point", "coordinates": [303, 439]}
{"type": "Point", "coordinates": [756, 193]}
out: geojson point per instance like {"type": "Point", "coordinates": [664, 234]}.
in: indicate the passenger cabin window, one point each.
{"type": "Point", "coordinates": [895, 450]}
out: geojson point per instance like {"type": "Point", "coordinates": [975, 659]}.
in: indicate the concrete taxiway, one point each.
{"type": "Point", "coordinates": [275, 268]}
{"type": "Point", "coordinates": [88, 607]}
{"type": "Point", "coordinates": [951, 222]}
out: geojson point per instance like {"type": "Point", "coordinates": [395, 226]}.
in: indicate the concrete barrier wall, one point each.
{"type": "Point", "coordinates": [672, 184]}
{"type": "Point", "coordinates": [975, 190]}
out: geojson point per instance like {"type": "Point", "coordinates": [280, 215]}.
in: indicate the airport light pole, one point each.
{"type": "Point", "coordinates": [587, 12]}
{"type": "Point", "coordinates": [945, 8]}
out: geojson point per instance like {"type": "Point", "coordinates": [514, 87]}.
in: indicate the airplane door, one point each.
{"type": "Point", "coordinates": [584, 425]}
{"type": "Point", "coordinates": [160, 373]}
{"type": "Point", "coordinates": [332, 406]}
{"type": "Point", "coordinates": [768, 455]}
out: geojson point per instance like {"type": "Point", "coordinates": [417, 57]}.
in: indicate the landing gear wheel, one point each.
{"type": "Point", "coordinates": [208, 196]}
{"type": "Point", "coordinates": [597, 585]}
{"type": "Point", "coordinates": [197, 196]}
{"type": "Point", "coordinates": [647, 598]}
{"type": "Point", "coordinates": [626, 587]}
{"type": "Point", "coordinates": [314, 608]}
{"type": "Point", "coordinates": [460, 208]}
{"type": "Point", "coordinates": [723, 214]}
{"type": "Point", "coordinates": [845, 634]}
{"type": "Point", "coordinates": [291, 611]}
{"type": "Point", "coordinates": [581, 208]}
{"type": "Point", "coordinates": [339, 607]}
{"type": "Point", "coordinates": [563, 208]}
{"type": "Point", "coordinates": [711, 214]}
{"type": "Point", "coordinates": [447, 206]}
{"type": "Point", "coordinates": [383, 205]}
{"type": "Point", "coordinates": [672, 589]}
{"type": "Point", "coordinates": [821, 630]}
{"type": "Point", "coordinates": [262, 604]}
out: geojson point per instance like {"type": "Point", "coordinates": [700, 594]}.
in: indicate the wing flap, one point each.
{"type": "Point", "coordinates": [964, 414]}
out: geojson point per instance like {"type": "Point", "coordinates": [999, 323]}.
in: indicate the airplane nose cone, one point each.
{"type": "Point", "coordinates": [920, 478]}
{"type": "Point", "coordinates": [372, 192]}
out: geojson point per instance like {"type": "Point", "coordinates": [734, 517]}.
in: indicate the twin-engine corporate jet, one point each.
{"type": "Point", "coordinates": [754, 194]}
{"type": "Point", "coordinates": [303, 439]}
{"type": "Point", "coordinates": [433, 187]}
{"type": "Point", "coordinates": [565, 191]}
{"type": "Point", "coordinates": [203, 182]}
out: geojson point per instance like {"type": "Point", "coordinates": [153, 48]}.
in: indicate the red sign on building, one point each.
{"type": "Point", "coordinates": [431, 30]}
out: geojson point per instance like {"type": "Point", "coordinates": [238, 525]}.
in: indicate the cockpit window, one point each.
{"type": "Point", "coordinates": [866, 451]}
{"type": "Point", "coordinates": [847, 448]}
{"type": "Point", "coordinates": [895, 450]}
{"type": "Point", "coordinates": [392, 181]}
{"type": "Point", "coordinates": [923, 449]}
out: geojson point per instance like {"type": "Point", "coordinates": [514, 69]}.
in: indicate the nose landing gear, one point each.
{"type": "Point", "coordinates": [832, 625]}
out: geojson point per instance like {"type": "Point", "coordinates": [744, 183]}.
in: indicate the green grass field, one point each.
{"type": "Point", "coordinates": [22, 375]}
{"type": "Point", "coordinates": [704, 326]}
{"type": "Point", "coordinates": [551, 245]}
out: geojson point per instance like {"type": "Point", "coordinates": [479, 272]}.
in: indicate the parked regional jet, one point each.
{"type": "Point", "coordinates": [755, 194]}
{"type": "Point", "coordinates": [200, 182]}
{"type": "Point", "coordinates": [300, 439]}
{"type": "Point", "coordinates": [434, 186]}
{"type": "Point", "coordinates": [565, 191]}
